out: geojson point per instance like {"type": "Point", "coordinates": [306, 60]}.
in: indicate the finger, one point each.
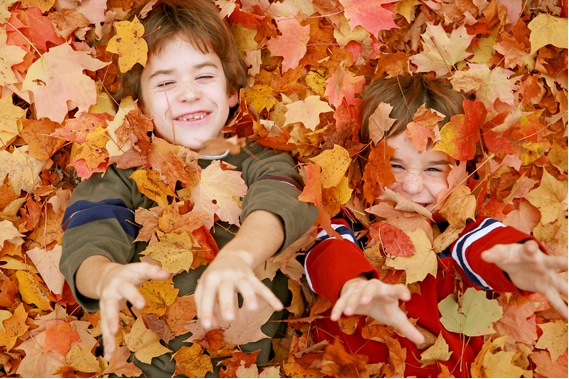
{"type": "Point", "coordinates": [248, 293]}
{"type": "Point", "coordinates": [410, 331]}
{"type": "Point", "coordinates": [109, 326]}
{"type": "Point", "coordinates": [227, 300]}
{"type": "Point", "coordinates": [205, 299]}
{"type": "Point", "coordinates": [557, 302]}
{"type": "Point", "coordinates": [354, 300]}
{"type": "Point", "coordinates": [340, 306]}
{"type": "Point", "coordinates": [265, 293]}
{"type": "Point", "coordinates": [556, 263]}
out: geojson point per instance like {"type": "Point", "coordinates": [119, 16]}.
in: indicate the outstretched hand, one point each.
{"type": "Point", "coordinates": [119, 285]}
{"type": "Point", "coordinates": [378, 300]}
{"type": "Point", "coordinates": [532, 270]}
{"type": "Point", "coordinates": [226, 276]}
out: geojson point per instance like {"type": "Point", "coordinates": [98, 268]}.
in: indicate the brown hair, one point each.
{"type": "Point", "coordinates": [198, 22]}
{"type": "Point", "coordinates": [406, 94]}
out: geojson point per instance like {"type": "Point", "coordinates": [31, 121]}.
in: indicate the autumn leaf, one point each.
{"type": "Point", "coordinates": [547, 29]}
{"type": "Point", "coordinates": [11, 55]}
{"type": "Point", "coordinates": [333, 164]}
{"type": "Point", "coordinates": [192, 362]}
{"type": "Point", "coordinates": [550, 198]}
{"type": "Point", "coordinates": [219, 193]}
{"type": "Point", "coordinates": [379, 122]}
{"type": "Point", "coordinates": [473, 317]}
{"type": "Point", "coordinates": [554, 338]}
{"type": "Point", "coordinates": [33, 291]}
{"type": "Point", "coordinates": [459, 207]}
{"type": "Point", "coordinates": [144, 342]}
{"type": "Point", "coordinates": [14, 327]}
{"type": "Point", "coordinates": [437, 352]}
{"type": "Point", "coordinates": [158, 294]}
{"type": "Point", "coordinates": [377, 172]}
{"type": "Point", "coordinates": [47, 263]}
{"type": "Point", "coordinates": [372, 15]}
{"type": "Point", "coordinates": [343, 87]}
{"type": "Point", "coordinates": [494, 361]}
{"type": "Point", "coordinates": [129, 44]}
{"type": "Point", "coordinates": [119, 364]}
{"type": "Point", "coordinates": [173, 252]}
{"type": "Point", "coordinates": [291, 44]}
{"type": "Point", "coordinates": [48, 78]}
{"type": "Point", "coordinates": [440, 50]}
{"type": "Point", "coordinates": [306, 111]}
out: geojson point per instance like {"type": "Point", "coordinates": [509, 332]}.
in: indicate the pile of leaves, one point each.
{"type": "Point", "coordinates": [307, 61]}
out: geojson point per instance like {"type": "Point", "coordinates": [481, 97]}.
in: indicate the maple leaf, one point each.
{"type": "Point", "coordinates": [33, 27]}
{"type": "Point", "coordinates": [518, 323]}
{"type": "Point", "coordinates": [129, 44]}
{"type": "Point", "coordinates": [342, 86]}
{"type": "Point", "coordinates": [475, 315]}
{"type": "Point", "coordinates": [547, 29]}
{"type": "Point", "coordinates": [9, 120]}
{"type": "Point", "coordinates": [548, 368]}
{"type": "Point", "coordinates": [82, 359]}
{"type": "Point", "coordinates": [12, 55]}
{"type": "Point", "coordinates": [67, 21]}
{"type": "Point", "coordinates": [77, 129]}
{"type": "Point", "coordinates": [424, 127]}
{"type": "Point", "coordinates": [59, 336]}
{"type": "Point", "coordinates": [144, 342]}
{"type": "Point", "coordinates": [159, 294]}
{"type": "Point", "coordinates": [422, 263]}
{"type": "Point", "coordinates": [441, 51]}
{"type": "Point", "coordinates": [550, 198]}
{"type": "Point", "coordinates": [377, 172]}
{"type": "Point", "coordinates": [218, 193]}
{"type": "Point", "coordinates": [488, 85]}
{"type": "Point", "coordinates": [33, 291]}
{"type": "Point", "coordinates": [192, 362]}
{"type": "Point", "coordinates": [339, 363]}
{"type": "Point", "coordinates": [306, 111]}
{"type": "Point", "coordinates": [437, 352]}
{"type": "Point", "coordinates": [291, 44]}
{"type": "Point", "coordinates": [47, 263]}
{"type": "Point", "coordinates": [372, 15]}
{"type": "Point", "coordinates": [179, 314]}
{"type": "Point", "coordinates": [37, 135]}
{"type": "Point", "coordinates": [14, 327]}
{"type": "Point", "coordinates": [494, 362]}
{"type": "Point", "coordinates": [38, 363]}
{"type": "Point", "coordinates": [554, 338]}
{"type": "Point", "coordinates": [119, 364]}
{"type": "Point", "coordinates": [380, 122]}
{"type": "Point", "coordinates": [333, 164]}
{"type": "Point", "coordinates": [173, 252]}
{"type": "Point", "coordinates": [48, 79]}
{"type": "Point", "coordinates": [459, 207]}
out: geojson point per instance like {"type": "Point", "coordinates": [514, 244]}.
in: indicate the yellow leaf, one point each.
{"type": "Point", "coordinates": [149, 183]}
{"type": "Point", "coordinates": [459, 207]}
{"type": "Point", "coordinates": [129, 44]}
{"type": "Point", "coordinates": [406, 8]}
{"type": "Point", "coordinates": [82, 359]}
{"type": "Point", "coordinates": [144, 342]}
{"type": "Point", "coordinates": [33, 291]}
{"type": "Point", "coordinates": [11, 55]}
{"type": "Point", "coordinates": [334, 197]}
{"type": "Point", "coordinates": [494, 362]}
{"type": "Point", "coordinates": [159, 294]}
{"type": "Point", "coordinates": [334, 164]}
{"type": "Point", "coordinates": [192, 362]}
{"type": "Point", "coordinates": [380, 122]}
{"type": "Point", "coordinates": [22, 169]}
{"type": "Point", "coordinates": [475, 315]}
{"type": "Point", "coordinates": [261, 97]}
{"type": "Point", "coordinates": [9, 124]}
{"type": "Point", "coordinates": [219, 193]}
{"type": "Point", "coordinates": [307, 112]}
{"type": "Point", "coordinates": [9, 233]}
{"type": "Point", "coordinates": [545, 30]}
{"type": "Point", "coordinates": [437, 352]}
{"type": "Point", "coordinates": [550, 198]}
{"type": "Point", "coordinates": [13, 327]}
{"type": "Point", "coordinates": [554, 338]}
{"type": "Point", "coordinates": [420, 264]}
{"type": "Point", "coordinates": [173, 251]}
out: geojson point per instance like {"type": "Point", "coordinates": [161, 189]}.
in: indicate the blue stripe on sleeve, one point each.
{"type": "Point", "coordinates": [83, 212]}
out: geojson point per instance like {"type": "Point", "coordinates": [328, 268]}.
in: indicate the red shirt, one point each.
{"type": "Point", "coordinates": [332, 262]}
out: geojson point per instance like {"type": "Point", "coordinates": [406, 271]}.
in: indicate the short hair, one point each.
{"type": "Point", "coordinates": [406, 94]}
{"type": "Point", "coordinates": [198, 22]}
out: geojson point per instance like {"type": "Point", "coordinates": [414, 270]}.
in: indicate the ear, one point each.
{"type": "Point", "coordinates": [233, 98]}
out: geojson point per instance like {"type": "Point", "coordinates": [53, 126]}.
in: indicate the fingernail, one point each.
{"type": "Point", "coordinates": [206, 323]}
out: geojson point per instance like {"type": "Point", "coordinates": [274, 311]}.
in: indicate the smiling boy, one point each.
{"type": "Point", "coordinates": [190, 83]}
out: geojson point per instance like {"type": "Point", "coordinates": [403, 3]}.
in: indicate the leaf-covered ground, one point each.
{"type": "Point", "coordinates": [307, 60]}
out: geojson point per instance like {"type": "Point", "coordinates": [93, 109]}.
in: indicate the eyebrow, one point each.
{"type": "Point", "coordinates": [434, 163]}
{"type": "Point", "coordinates": [198, 67]}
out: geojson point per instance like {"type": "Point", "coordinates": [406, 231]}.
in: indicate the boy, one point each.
{"type": "Point", "coordinates": [189, 84]}
{"type": "Point", "coordinates": [487, 254]}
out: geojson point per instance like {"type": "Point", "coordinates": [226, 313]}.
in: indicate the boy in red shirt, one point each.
{"type": "Point", "coordinates": [487, 255]}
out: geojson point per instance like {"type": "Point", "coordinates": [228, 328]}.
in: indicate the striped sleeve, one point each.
{"type": "Point", "coordinates": [479, 236]}
{"type": "Point", "coordinates": [332, 262]}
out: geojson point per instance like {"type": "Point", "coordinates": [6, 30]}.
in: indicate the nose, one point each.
{"type": "Point", "coordinates": [412, 183]}
{"type": "Point", "coordinates": [188, 91]}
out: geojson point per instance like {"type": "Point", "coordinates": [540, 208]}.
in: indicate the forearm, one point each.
{"type": "Point", "coordinates": [89, 276]}
{"type": "Point", "coordinates": [260, 236]}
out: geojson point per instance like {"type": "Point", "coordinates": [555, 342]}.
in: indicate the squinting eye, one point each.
{"type": "Point", "coordinates": [433, 169]}
{"type": "Point", "coordinates": [397, 167]}
{"type": "Point", "coordinates": [164, 84]}
{"type": "Point", "coordinates": [205, 77]}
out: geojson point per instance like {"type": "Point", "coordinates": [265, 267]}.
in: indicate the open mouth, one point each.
{"type": "Point", "coordinates": [192, 116]}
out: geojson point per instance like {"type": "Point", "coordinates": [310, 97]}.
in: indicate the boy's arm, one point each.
{"type": "Point", "coordinates": [259, 237]}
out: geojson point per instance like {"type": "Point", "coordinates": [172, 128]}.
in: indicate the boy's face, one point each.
{"type": "Point", "coordinates": [185, 91]}
{"type": "Point", "coordinates": [420, 176]}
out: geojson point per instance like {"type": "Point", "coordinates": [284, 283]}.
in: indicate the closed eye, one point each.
{"type": "Point", "coordinates": [165, 84]}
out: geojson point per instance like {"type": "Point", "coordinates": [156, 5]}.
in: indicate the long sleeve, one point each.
{"type": "Point", "coordinates": [332, 262]}
{"type": "Point", "coordinates": [479, 236]}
